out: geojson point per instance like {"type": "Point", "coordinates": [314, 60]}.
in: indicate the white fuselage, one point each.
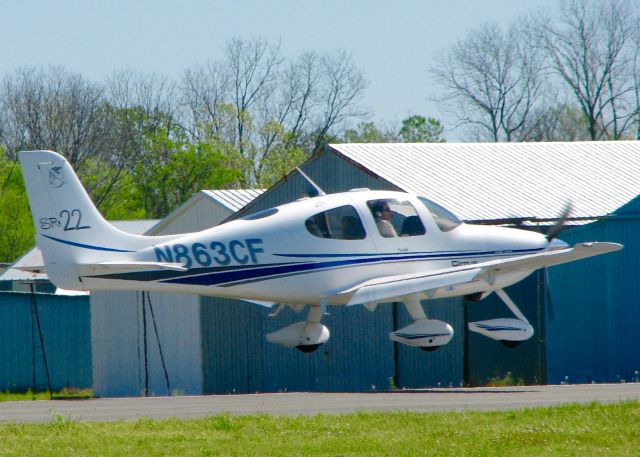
{"type": "Point", "coordinates": [278, 257]}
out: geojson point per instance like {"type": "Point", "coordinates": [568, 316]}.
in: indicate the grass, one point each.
{"type": "Point", "coordinates": [603, 430]}
{"type": "Point", "coordinates": [66, 393]}
{"type": "Point", "coordinates": [505, 381]}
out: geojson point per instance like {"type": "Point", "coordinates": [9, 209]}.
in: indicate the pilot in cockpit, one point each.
{"type": "Point", "coordinates": [382, 214]}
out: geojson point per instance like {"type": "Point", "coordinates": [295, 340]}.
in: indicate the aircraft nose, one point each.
{"type": "Point", "coordinates": [523, 241]}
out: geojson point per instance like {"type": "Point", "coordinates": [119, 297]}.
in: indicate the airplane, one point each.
{"type": "Point", "coordinates": [361, 247]}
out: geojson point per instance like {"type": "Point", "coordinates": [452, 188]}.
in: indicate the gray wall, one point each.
{"type": "Point", "coordinates": [117, 334]}
{"type": "Point", "coordinates": [199, 213]}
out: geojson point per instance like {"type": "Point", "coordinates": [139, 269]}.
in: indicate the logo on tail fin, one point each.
{"type": "Point", "coordinates": [56, 177]}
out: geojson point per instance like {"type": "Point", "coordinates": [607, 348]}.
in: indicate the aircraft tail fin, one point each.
{"type": "Point", "coordinates": [70, 230]}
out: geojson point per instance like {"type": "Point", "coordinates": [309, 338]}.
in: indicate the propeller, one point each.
{"type": "Point", "coordinates": [562, 219]}
{"type": "Point", "coordinates": [551, 235]}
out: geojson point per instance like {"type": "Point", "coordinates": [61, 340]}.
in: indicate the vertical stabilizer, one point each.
{"type": "Point", "coordinates": [69, 228]}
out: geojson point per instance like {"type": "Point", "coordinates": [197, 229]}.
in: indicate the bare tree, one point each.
{"type": "Point", "coordinates": [269, 108]}
{"type": "Point", "coordinates": [492, 82]}
{"type": "Point", "coordinates": [53, 109]}
{"type": "Point", "coordinates": [591, 49]}
{"type": "Point", "coordinates": [139, 103]}
{"type": "Point", "coordinates": [151, 92]}
{"type": "Point", "coordinates": [205, 92]}
{"type": "Point", "coordinates": [341, 90]}
{"type": "Point", "coordinates": [23, 98]}
{"type": "Point", "coordinates": [253, 67]}
{"type": "Point", "coordinates": [134, 104]}
{"type": "Point", "coordinates": [636, 77]}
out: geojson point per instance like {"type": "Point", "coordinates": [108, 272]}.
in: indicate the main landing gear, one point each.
{"type": "Point", "coordinates": [305, 336]}
{"type": "Point", "coordinates": [510, 332]}
{"type": "Point", "coordinates": [426, 334]}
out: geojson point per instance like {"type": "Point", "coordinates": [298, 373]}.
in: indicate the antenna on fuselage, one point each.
{"type": "Point", "coordinates": [313, 184]}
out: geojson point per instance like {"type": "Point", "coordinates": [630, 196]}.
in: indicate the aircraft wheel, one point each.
{"type": "Point", "coordinates": [308, 347]}
{"type": "Point", "coordinates": [511, 344]}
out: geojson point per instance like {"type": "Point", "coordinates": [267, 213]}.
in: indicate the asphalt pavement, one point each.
{"type": "Point", "coordinates": [306, 403]}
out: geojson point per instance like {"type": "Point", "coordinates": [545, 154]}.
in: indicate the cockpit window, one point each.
{"type": "Point", "coordinates": [396, 218]}
{"type": "Point", "coordinates": [444, 218]}
{"type": "Point", "coordinates": [342, 223]}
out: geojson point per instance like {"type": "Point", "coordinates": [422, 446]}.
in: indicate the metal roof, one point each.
{"type": "Point", "coordinates": [486, 181]}
{"type": "Point", "coordinates": [137, 227]}
{"type": "Point", "coordinates": [234, 199]}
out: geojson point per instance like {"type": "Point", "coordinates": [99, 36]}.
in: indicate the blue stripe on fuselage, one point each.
{"type": "Point", "coordinates": [431, 254]}
{"type": "Point", "coordinates": [85, 246]}
{"type": "Point", "coordinates": [227, 278]}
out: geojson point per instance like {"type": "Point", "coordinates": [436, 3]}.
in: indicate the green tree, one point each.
{"type": "Point", "coordinates": [16, 227]}
{"type": "Point", "coordinates": [174, 169]}
{"type": "Point", "coordinates": [417, 129]}
{"type": "Point", "coordinates": [368, 132]}
{"type": "Point", "coordinates": [563, 122]}
{"type": "Point", "coordinates": [282, 157]}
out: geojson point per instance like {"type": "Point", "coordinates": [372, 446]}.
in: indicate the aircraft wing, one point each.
{"type": "Point", "coordinates": [388, 287]}
{"type": "Point", "coordinates": [551, 258]}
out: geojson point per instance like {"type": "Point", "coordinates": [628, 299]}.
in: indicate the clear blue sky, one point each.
{"type": "Point", "coordinates": [393, 42]}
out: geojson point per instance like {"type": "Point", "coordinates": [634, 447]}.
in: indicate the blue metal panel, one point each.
{"type": "Point", "coordinates": [593, 320]}
{"type": "Point", "coordinates": [489, 359]}
{"type": "Point", "coordinates": [237, 358]}
{"type": "Point", "coordinates": [441, 368]}
{"type": "Point", "coordinates": [66, 332]}
{"type": "Point", "coordinates": [357, 358]}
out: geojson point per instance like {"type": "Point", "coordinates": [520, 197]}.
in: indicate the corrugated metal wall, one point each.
{"type": "Point", "coordinates": [489, 359]}
{"type": "Point", "coordinates": [441, 368]}
{"type": "Point", "coordinates": [118, 344]}
{"type": "Point", "coordinates": [237, 357]}
{"type": "Point", "coordinates": [65, 323]}
{"type": "Point", "coordinates": [593, 319]}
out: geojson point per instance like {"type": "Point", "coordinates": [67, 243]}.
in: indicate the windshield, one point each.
{"type": "Point", "coordinates": [444, 218]}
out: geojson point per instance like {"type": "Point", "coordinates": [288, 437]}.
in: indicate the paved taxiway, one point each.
{"type": "Point", "coordinates": [104, 409]}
